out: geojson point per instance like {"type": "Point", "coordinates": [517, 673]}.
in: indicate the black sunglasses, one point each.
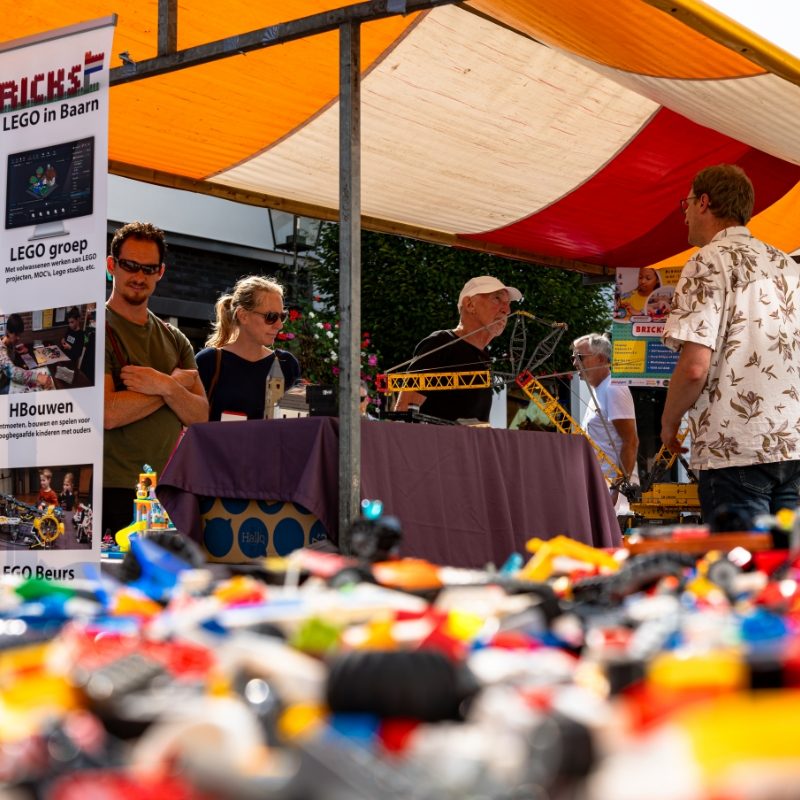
{"type": "Point", "coordinates": [271, 317]}
{"type": "Point", "coordinates": [134, 266]}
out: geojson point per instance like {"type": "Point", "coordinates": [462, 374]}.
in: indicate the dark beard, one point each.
{"type": "Point", "coordinates": [136, 300]}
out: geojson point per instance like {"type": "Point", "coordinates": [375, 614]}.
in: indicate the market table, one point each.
{"type": "Point", "coordinates": [465, 496]}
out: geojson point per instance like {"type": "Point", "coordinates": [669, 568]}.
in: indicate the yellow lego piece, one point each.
{"type": "Point", "coordinates": [123, 536]}
{"type": "Point", "coordinates": [302, 720]}
{"type": "Point", "coordinates": [564, 546]}
{"type": "Point", "coordinates": [720, 669]}
{"type": "Point", "coordinates": [540, 567]}
{"type": "Point", "coordinates": [436, 381]}
{"type": "Point", "coordinates": [737, 728]}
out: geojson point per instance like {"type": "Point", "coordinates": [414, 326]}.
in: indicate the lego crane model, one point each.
{"type": "Point", "coordinates": [652, 501]}
{"type": "Point", "coordinates": [391, 382]}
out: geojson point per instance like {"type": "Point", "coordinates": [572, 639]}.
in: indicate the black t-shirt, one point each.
{"type": "Point", "coordinates": [457, 355]}
{"type": "Point", "coordinates": [241, 384]}
{"type": "Point", "coordinates": [75, 341]}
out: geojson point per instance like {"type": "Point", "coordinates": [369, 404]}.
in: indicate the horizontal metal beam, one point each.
{"type": "Point", "coordinates": [733, 35]}
{"type": "Point", "coordinates": [267, 37]}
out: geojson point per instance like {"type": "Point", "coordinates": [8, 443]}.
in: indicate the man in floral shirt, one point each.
{"type": "Point", "coordinates": [735, 321]}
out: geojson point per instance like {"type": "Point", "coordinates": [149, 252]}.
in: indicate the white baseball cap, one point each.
{"type": "Point", "coordinates": [485, 284]}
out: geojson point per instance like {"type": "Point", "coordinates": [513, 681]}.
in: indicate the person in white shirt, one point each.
{"type": "Point", "coordinates": [610, 418]}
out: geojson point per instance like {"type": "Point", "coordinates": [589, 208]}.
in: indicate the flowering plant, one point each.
{"type": "Point", "coordinates": [312, 333]}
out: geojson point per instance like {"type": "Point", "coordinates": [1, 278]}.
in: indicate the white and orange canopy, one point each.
{"type": "Point", "coordinates": [558, 131]}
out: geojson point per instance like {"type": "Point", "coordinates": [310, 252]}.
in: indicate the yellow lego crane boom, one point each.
{"type": "Point", "coordinates": [657, 500]}
{"type": "Point", "coordinates": [535, 391]}
{"type": "Point", "coordinates": [391, 382]}
{"type": "Point", "coordinates": [665, 459]}
{"type": "Point", "coordinates": [432, 381]}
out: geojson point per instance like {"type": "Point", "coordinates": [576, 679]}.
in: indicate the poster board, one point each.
{"type": "Point", "coordinates": [53, 172]}
{"type": "Point", "coordinates": [642, 299]}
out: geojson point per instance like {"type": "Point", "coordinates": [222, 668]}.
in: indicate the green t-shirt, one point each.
{"type": "Point", "coordinates": [150, 440]}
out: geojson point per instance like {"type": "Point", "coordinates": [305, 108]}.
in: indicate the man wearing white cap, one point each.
{"type": "Point", "coordinates": [483, 307]}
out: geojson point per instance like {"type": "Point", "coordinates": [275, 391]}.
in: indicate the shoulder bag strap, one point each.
{"type": "Point", "coordinates": [122, 359]}
{"type": "Point", "coordinates": [215, 377]}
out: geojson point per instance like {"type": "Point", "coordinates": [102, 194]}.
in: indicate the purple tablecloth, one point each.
{"type": "Point", "coordinates": [292, 460]}
{"type": "Point", "coordinates": [465, 496]}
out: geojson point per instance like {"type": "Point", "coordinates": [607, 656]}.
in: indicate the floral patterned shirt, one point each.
{"type": "Point", "coordinates": [739, 297]}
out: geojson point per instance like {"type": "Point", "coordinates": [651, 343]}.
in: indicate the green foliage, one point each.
{"type": "Point", "coordinates": [312, 334]}
{"type": "Point", "coordinates": [410, 288]}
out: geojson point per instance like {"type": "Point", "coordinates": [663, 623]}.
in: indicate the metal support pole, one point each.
{"type": "Point", "coordinates": [349, 277]}
{"type": "Point", "coordinates": [167, 27]}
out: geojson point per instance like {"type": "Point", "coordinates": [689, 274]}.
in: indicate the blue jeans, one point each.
{"type": "Point", "coordinates": [752, 490]}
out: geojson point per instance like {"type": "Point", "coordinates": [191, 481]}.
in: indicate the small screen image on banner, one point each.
{"type": "Point", "coordinates": [642, 300]}
{"type": "Point", "coordinates": [46, 185]}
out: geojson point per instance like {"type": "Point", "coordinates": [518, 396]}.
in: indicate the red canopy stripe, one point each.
{"type": "Point", "coordinates": [626, 230]}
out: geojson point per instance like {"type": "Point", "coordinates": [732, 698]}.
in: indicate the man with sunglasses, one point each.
{"type": "Point", "coordinates": [152, 387]}
{"type": "Point", "coordinates": [734, 320]}
{"type": "Point", "coordinates": [610, 416]}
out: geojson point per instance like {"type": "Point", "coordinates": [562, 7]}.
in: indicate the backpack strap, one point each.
{"type": "Point", "coordinates": [215, 377]}
{"type": "Point", "coordinates": [122, 359]}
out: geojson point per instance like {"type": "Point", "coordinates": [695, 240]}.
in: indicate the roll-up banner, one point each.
{"type": "Point", "coordinates": [53, 172]}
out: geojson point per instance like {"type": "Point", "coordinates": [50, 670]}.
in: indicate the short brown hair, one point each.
{"type": "Point", "coordinates": [730, 192]}
{"type": "Point", "coordinates": [139, 230]}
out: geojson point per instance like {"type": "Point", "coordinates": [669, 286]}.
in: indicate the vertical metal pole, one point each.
{"type": "Point", "coordinates": [167, 27]}
{"type": "Point", "coordinates": [295, 277]}
{"type": "Point", "coordinates": [349, 278]}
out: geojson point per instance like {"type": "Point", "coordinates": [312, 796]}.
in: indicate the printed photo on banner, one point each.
{"type": "Point", "coordinates": [642, 301]}
{"type": "Point", "coordinates": [641, 295]}
{"type": "Point", "coordinates": [46, 507]}
{"type": "Point", "coordinates": [47, 349]}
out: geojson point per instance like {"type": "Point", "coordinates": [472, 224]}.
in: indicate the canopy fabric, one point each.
{"type": "Point", "coordinates": [562, 131]}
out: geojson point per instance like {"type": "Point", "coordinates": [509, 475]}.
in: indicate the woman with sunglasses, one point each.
{"type": "Point", "coordinates": [236, 363]}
